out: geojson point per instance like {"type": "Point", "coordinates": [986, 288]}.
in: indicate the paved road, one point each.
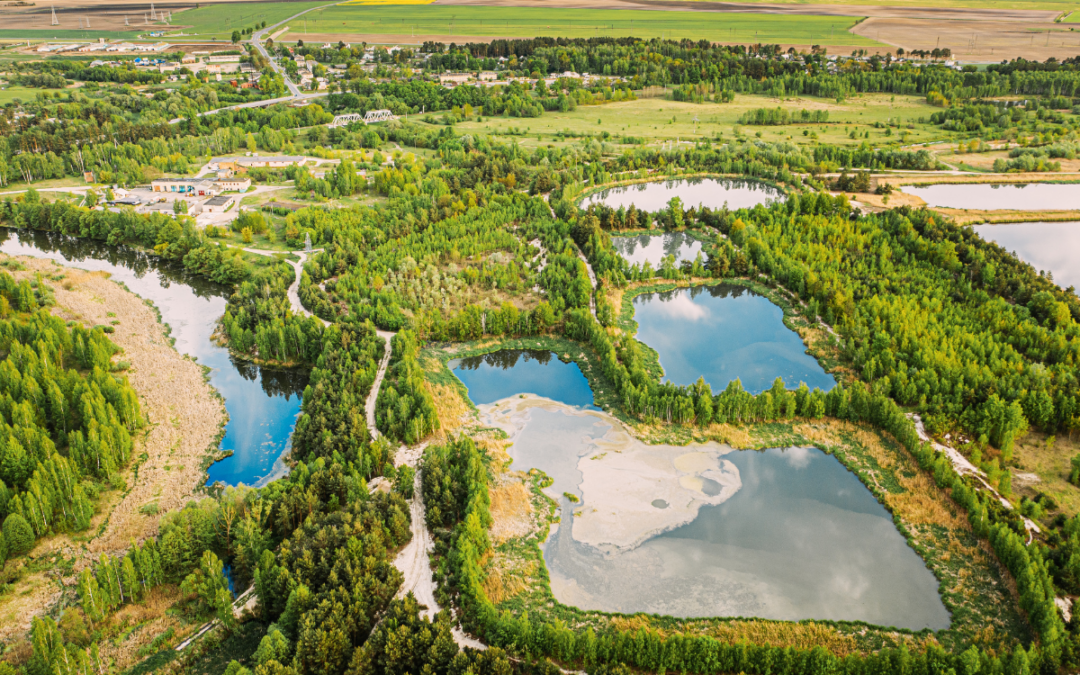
{"type": "Point", "coordinates": [295, 93]}
{"type": "Point", "coordinates": [256, 41]}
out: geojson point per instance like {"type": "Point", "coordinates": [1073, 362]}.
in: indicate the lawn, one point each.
{"type": "Point", "coordinates": [221, 20]}
{"type": "Point", "coordinates": [659, 119]}
{"type": "Point", "coordinates": [12, 92]}
{"type": "Point", "coordinates": [580, 23]}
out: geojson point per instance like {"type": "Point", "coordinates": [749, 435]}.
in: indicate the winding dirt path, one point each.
{"type": "Point", "coordinates": [373, 396]}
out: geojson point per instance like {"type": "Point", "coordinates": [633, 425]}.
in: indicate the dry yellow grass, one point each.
{"type": "Point", "coordinates": [500, 585]}
{"type": "Point", "coordinates": [450, 407]}
{"type": "Point", "coordinates": [511, 511]}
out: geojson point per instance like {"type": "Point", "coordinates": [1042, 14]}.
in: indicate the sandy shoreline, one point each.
{"type": "Point", "coordinates": [184, 417]}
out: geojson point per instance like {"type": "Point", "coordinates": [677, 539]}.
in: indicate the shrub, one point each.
{"type": "Point", "coordinates": [19, 535]}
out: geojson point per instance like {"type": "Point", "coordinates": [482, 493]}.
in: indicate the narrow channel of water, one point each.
{"type": "Point", "coordinates": [984, 196]}
{"type": "Point", "coordinates": [653, 248]}
{"type": "Point", "coordinates": [262, 403]}
{"type": "Point", "coordinates": [711, 192]}
{"type": "Point", "coordinates": [509, 372]}
{"type": "Point", "coordinates": [1053, 247]}
{"type": "Point", "coordinates": [721, 333]}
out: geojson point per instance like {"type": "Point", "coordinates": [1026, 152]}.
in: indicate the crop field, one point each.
{"type": "Point", "coordinates": [658, 119]}
{"type": "Point", "coordinates": [222, 19]}
{"type": "Point", "coordinates": [452, 21]}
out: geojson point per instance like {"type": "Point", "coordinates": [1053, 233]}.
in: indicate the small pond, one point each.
{"type": "Point", "coordinates": [721, 333]}
{"type": "Point", "coordinates": [704, 530]}
{"type": "Point", "coordinates": [509, 372]}
{"type": "Point", "coordinates": [1053, 247]}
{"type": "Point", "coordinates": [262, 403]}
{"type": "Point", "coordinates": [711, 192]}
{"type": "Point", "coordinates": [653, 248]}
{"type": "Point", "coordinates": [982, 196]}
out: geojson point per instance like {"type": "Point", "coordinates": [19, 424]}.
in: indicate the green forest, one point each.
{"type": "Point", "coordinates": [471, 239]}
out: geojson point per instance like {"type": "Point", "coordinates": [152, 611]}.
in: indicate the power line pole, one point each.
{"type": "Point", "coordinates": [55, 21]}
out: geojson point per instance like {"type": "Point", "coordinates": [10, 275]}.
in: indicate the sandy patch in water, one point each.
{"type": "Point", "coordinates": [630, 491]}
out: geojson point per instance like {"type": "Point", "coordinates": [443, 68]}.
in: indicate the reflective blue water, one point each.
{"type": "Point", "coordinates": [802, 538]}
{"type": "Point", "coordinates": [653, 248]}
{"type": "Point", "coordinates": [1031, 197]}
{"type": "Point", "coordinates": [722, 333]}
{"type": "Point", "coordinates": [1053, 247]}
{"type": "Point", "coordinates": [509, 372]}
{"type": "Point", "coordinates": [262, 403]}
{"type": "Point", "coordinates": [711, 192]}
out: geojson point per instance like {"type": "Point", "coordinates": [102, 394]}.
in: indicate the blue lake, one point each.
{"type": "Point", "coordinates": [509, 372]}
{"type": "Point", "coordinates": [722, 333]}
{"type": "Point", "coordinates": [263, 403]}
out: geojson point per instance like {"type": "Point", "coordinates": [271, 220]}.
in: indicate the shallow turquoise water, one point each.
{"type": "Point", "coordinates": [722, 333]}
{"type": "Point", "coordinates": [262, 403]}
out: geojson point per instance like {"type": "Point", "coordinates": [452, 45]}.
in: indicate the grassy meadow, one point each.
{"type": "Point", "coordinates": [663, 120]}
{"type": "Point", "coordinates": [222, 20]}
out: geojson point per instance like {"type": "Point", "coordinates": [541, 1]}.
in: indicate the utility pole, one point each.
{"type": "Point", "coordinates": [55, 21]}
{"type": "Point", "coordinates": [153, 14]}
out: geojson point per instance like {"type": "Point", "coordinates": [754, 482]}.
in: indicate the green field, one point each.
{"type": "Point", "coordinates": [430, 20]}
{"type": "Point", "coordinates": [663, 120]}
{"type": "Point", "coordinates": [1073, 17]}
{"type": "Point", "coordinates": [221, 20]}
{"type": "Point", "coordinates": [10, 93]}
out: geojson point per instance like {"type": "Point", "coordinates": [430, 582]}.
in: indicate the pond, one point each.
{"type": "Point", "coordinates": [509, 372]}
{"type": "Point", "coordinates": [707, 531]}
{"type": "Point", "coordinates": [982, 196]}
{"type": "Point", "coordinates": [721, 333]}
{"type": "Point", "coordinates": [1053, 247]}
{"type": "Point", "coordinates": [263, 403]}
{"type": "Point", "coordinates": [653, 248]}
{"type": "Point", "coordinates": [711, 192]}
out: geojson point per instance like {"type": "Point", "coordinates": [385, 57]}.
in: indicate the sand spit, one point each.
{"type": "Point", "coordinates": [629, 491]}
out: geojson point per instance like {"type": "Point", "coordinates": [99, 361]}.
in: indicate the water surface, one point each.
{"type": "Point", "coordinates": [982, 196]}
{"type": "Point", "coordinates": [653, 248]}
{"type": "Point", "coordinates": [802, 538]}
{"type": "Point", "coordinates": [1053, 247]}
{"type": "Point", "coordinates": [722, 333]}
{"type": "Point", "coordinates": [262, 403]}
{"type": "Point", "coordinates": [509, 372]}
{"type": "Point", "coordinates": [711, 192]}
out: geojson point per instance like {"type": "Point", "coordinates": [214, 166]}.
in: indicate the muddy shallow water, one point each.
{"type": "Point", "coordinates": [263, 403]}
{"type": "Point", "coordinates": [705, 530]}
